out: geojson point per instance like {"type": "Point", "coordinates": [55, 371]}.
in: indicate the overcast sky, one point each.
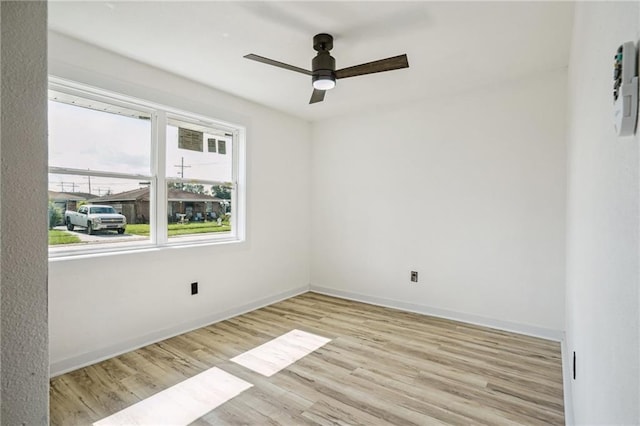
{"type": "Point", "coordinates": [83, 138]}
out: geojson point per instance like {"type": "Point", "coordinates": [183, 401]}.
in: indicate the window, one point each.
{"type": "Point", "coordinates": [199, 179]}
{"type": "Point", "coordinates": [156, 176]}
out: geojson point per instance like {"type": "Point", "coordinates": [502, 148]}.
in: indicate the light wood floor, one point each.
{"type": "Point", "coordinates": [382, 366]}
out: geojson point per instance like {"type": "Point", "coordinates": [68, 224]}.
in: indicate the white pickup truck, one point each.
{"type": "Point", "coordinates": [95, 218]}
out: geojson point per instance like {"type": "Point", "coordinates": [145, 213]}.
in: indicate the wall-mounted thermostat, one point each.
{"type": "Point", "coordinates": [625, 89]}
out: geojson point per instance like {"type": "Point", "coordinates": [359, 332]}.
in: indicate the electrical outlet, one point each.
{"type": "Point", "coordinates": [414, 276]}
{"type": "Point", "coordinates": [194, 288]}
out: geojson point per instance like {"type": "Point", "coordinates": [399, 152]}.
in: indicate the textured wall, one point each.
{"type": "Point", "coordinates": [603, 225]}
{"type": "Point", "coordinates": [23, 222]}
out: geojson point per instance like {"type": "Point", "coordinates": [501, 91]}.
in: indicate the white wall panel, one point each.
{"type": "Point", "coordinates": [603, 217]}
{"type": "Point", "coordinates": [107, 304]}
{"type": "Point", "coordinates": [468, 191]}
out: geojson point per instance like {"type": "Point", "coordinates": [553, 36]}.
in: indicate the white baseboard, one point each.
{"type": "Point", "coordinates": [62, 366]}
{"type": "Point", "coordinates": [567, 389]}
{"type": "Point", "coordinates": [529, 330]}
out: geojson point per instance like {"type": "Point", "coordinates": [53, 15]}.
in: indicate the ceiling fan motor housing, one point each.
{"type": "Point", "coordinates": [323, 66]}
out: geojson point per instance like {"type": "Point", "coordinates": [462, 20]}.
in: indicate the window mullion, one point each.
{"type": "Point", "coordinates": [160, 164]}
{"type": "Point", "coordinates": [238, 193]}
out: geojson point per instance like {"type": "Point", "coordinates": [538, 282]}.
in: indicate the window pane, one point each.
{"type": "Point", "coordinates": [94, 210]}
{"type": "Point", "coordinates": [198, 152]}
{"type": "Point", "coordinates": [198, 210]}
{"type": "Point", "coordinates": [84, 138]}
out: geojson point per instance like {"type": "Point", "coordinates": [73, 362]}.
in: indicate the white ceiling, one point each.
{"type": "Point", "coordinates": [452, 46]}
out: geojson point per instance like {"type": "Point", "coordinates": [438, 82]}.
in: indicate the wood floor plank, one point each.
{"type": "Point", "coordinates": [382, 366]}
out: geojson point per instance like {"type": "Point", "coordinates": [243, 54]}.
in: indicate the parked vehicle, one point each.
{"type": "Point", "coordinates": [95, 218]}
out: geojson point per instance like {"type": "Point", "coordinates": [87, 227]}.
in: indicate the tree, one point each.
{"type": "Point", "coordinates": [55, 215]}
{"type": "Point", "coordinates": [221, 192]}
{"type": "Point", "coordinates": [188, 187]}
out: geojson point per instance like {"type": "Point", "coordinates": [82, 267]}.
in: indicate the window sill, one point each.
{"type": "Point", "coordinates": [134, 247]}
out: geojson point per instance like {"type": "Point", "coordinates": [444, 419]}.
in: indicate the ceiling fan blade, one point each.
{"type": "Point", "coordinates": [276, 63]}
{"type": "Point", "coordinates": [389, 64]}
{"type": "Point", "coordinates": [317, 96]}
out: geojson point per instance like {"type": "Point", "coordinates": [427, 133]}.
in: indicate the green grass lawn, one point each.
{"type": "Point", "coordinates": [181, 229]}
{"type": "Point", "coordinates": [61, 237]}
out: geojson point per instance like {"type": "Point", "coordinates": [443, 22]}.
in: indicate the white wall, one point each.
{"type": "Point", "coordinates": [23, 225]}
{"type": "Point", "coordinates": [603, 225]}
{"type": "Point", "coordinates": [108, 304]}
{"type": "Point", "coordinates": [468, 191]}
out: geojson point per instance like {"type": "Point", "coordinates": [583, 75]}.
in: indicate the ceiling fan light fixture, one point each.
{"type": "Point", "coordinates": [324, 83]}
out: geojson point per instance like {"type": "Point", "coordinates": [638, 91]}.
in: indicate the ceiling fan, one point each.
{"type": "Point", "coordinates": [324, 73]}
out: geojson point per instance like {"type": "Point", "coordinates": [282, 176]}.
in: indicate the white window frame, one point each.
{"type": "Point", "coordinates": [158, 157]}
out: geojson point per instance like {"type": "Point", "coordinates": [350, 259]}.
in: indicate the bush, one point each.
{"type": "Point", "coordinates": [55, 215]}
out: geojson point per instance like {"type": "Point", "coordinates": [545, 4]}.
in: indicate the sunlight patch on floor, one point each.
{"type": "Point", "coordinates": [183, 403]}
{"type": "Point", "coordinates": [191, 399]}
{"type": "Point", "coordinates": [273, 356]}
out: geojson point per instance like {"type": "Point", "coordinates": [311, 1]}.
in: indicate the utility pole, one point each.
{"type": "Point", "coordinates": [62, 184]}
{"type": "Point", "coordinates": [181, 166]}
{"type": "Point", "coordinates": [89, 178]}
{"type": "Point", "coordinates": [181, 172]}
